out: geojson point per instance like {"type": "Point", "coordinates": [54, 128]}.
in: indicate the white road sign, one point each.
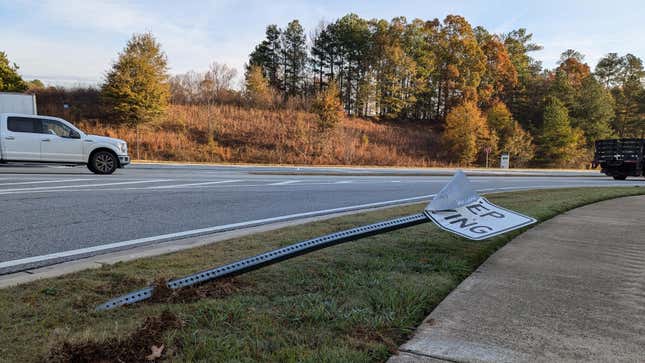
{"type": "Point", "coordinates": [479, 220]}
{"type": "Point", "coordinates": [457, 208]}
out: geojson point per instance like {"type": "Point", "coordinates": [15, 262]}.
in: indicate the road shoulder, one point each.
{"type": "Point", "coordinates": [162, 248]}
{"type": "Point", "coordinates": [568, 289]}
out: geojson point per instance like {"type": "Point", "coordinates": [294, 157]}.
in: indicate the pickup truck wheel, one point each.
{"type": "Point", "coordinates": [103, 162]}
{"type": "Point", "coordinates": [620, 177]}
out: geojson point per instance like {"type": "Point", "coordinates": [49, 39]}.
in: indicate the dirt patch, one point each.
{"type": "Point", "coordinates": [217, 289]}
{"type": "Point", "coordinates": [136, 347]}
{"type": "Point", "coordinates": [362, 336]}
{"type": "Point", "coordinates": [116, 283]}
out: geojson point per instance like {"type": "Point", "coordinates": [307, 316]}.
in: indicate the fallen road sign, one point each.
{"type": "Point", "coordinates": [456, 208]}
{"type": "Point", "coordinates": [479, 220]}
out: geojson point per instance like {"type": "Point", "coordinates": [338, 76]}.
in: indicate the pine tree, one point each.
{"type": "Point", "coordinates": [10, 80]}
{"type": "Point", "coordinates": [352, 39]}
{"type": "Point", "coordinates": [560, 145]}
{"type": "Point", "coordinates": [593, 111]}
{"type": "Point", "coordinates": [294, 55]}
{"type": "Point", "coordinates": [321, 58]}
{"type": "Point", "coordinates": [397, 70]}
{"type": "Point", "coordinates": [419, 41]}
{"type": "Point", "coordinates": [624, 77]}
{"type": "Point", "coordinates": [461, 63]}
{"type": "Point", "coordinates": [268, 55]}
{"type": "Point", "coordinates": [608, 70]}
{"type": "Point", "coordinates": [525, 100]}
{"type": "Point", "coordinates": [137, 88]}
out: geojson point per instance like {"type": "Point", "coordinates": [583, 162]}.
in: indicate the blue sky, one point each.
{"type": "Point", "coordinates": [69, 42]}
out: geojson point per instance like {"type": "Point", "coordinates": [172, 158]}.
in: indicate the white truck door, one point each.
{"type": "Point", "coordinates": [22, 138]}
{"type": "Point", "coordinates": [60, 142]}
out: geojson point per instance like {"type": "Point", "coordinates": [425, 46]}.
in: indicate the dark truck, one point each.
{"type": "Point", "coordinates": [620, 158]}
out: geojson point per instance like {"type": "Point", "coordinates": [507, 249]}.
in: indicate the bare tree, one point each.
{"type": "Point", "coordinates": [185, 88]}
{"type": "Point", "coordinates": [216, 81]}
{"type": "Point", "coordinates": [202, 88]}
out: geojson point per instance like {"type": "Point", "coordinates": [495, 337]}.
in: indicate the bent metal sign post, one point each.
{"type": "Point", "coordinates": [457, 208]}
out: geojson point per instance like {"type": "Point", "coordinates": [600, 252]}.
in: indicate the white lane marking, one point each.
{"type": "Point", "coordinates": [395, 181]}
{"type": "Point", "coordinates": [207, 230]}
{"type": "Point", "coordinates": [344, 182]}
{"type": "Point", "coordinates": [223, 228]}
{"type": "Point", "coordinates": [193, 184]}
{"type": "Point", "coordinates": [11, 191]}
{"type": "Point", "coordinates": [47, 181]}
{"type": "Point", "coordinates": [286, 182]}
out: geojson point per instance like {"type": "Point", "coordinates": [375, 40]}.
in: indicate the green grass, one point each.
{"type": "Point", "coordinates": [354, 302]}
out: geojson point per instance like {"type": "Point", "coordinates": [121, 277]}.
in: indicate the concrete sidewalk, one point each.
{"type": "Point", "coordinates": [570, 289]}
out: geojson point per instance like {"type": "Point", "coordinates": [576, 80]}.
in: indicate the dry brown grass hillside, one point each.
{"type": "Point", "coordinates": [241, 135]}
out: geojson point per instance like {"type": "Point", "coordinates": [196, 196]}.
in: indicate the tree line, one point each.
{"type": "Point", "coordinates": [483, 93]}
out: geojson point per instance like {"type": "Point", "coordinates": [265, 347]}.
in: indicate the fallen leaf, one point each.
{"type": "Point", "coordinates": [156, 352]}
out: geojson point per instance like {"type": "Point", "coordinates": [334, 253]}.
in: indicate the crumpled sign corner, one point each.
{"type": "Point", "coordinates": [457, 193]}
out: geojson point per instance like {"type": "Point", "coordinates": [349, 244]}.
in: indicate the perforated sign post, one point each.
{"type": "Point", "coordinates": [456, 208]}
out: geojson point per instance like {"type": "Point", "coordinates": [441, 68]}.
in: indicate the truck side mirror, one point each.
{"type": "Point", "coordinates": [74, 135]}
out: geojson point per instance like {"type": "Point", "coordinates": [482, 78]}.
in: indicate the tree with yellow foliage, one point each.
{"type": "Point", "coordinates": [257, 90]}
{"type": "Point", "coordinates": [328, 107]}
{"type": "Point", "coordinates": [513, 139]}
{"type": "Point", "coordinates": [466, 133]}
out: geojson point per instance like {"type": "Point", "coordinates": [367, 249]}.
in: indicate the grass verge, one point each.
{"type": "Point", "coordinates": [355, 302]}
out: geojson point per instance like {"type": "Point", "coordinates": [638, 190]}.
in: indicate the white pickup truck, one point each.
{"type": "Point", "coordinates": [28, 138]}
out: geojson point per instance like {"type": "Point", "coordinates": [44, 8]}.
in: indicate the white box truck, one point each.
{"type": "Point", "coordinates": [26, 137]}
{"type": "Point", "coordinates": [18, 103]}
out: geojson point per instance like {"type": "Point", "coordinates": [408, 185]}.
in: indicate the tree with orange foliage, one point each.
{"type": "Point", "coordinates": [500, 74]}
{"type": "Point", "coordinates": [466, 133]}
{"type": "Point", "coordinates": [571, 63]}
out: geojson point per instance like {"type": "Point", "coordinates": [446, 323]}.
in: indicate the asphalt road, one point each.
{"type": "Point", "coordinates": [54, 210]}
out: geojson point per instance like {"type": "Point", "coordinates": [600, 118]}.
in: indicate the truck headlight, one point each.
{"type": "Point", "coordinates": [123, 147]}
